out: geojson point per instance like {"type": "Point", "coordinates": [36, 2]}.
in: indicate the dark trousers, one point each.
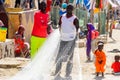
{"type": "Point", "coordinates": [17, 2]}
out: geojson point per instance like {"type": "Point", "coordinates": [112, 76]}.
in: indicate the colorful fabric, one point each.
{"type": "Point", "coordinates": [96, 10]}
{"type": "Point", "coordinates": [116, 67]}
{"type": "Point", "coordinates": [87, 4]}
{"type": "Point", "coordinates": [48, 8]}
{"type": "Point", "coordinates": [100, 61]}
{"type": "Point", "coordinates": [40, 24]}
{"type": "Point", "coordinates": [19, 45]}
{"type": "Point", "coordinates": [61, 12]}
{"type": "Point", "coordinates": [94, 34]}
{"type": "Point", "coordinates": [36, 43]}
{"type": "Point", "coordinates": [99, 4]}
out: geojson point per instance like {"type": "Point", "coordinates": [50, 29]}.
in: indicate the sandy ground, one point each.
{"type": "Point", "coordinates": [87, 68]}
{"type": "Point", "coordinates": [10, 66]}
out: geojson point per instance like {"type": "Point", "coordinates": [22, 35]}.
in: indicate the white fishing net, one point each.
{"type": "Point", "coordinates": [43, 65]}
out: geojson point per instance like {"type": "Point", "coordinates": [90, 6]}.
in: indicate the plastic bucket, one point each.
{"type": "Point", "coordinates": [3, 32]}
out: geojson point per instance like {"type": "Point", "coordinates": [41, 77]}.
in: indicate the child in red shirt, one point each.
{"type": "Point", "coordinates": [116, 65]}
{"type": "Point", "coordinates": [21, 47]}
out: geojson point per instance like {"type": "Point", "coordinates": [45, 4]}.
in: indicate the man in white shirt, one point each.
{"type": "Point", "coordinates": [68, 25]}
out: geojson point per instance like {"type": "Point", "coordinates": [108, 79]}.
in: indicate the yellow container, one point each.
{"type": "Point", "coordinates": [3, 32]}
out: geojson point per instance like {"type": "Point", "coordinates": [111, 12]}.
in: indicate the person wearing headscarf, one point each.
{"type": "Point", "coordinates": [90, 27]}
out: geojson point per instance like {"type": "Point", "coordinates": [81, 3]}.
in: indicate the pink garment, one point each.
{"type": "Point", "coordinates": [1, 23]}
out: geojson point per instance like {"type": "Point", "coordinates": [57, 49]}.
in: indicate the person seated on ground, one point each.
{"type": "Point", "coordinates": [21, 47]}
{"type": "Point", "coordinates": [116, 65]}
{"type": "Point", "coordinates": [63, 9]}
{"type": "Point", "coordinates": [100, 60]}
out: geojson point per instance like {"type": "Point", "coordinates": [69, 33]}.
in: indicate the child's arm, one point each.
{"type": "Point", "coordinates": [102, 58]}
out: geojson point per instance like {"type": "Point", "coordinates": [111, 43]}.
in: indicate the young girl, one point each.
{"type": "Point", "coordinates": [90, 28]}
{"type": "Point", "coordinates": [116, 65]}
{"type": "Point", "coordinates": [21, 47]}
{"type": "Point", "coordinates": [100, 60]}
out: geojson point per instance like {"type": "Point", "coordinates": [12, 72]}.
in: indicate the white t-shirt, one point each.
{"type": "Point", "coordinates": [68, 29]}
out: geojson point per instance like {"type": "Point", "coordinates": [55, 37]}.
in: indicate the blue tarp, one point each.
{"type": "Point", "coordinates": [87, 4]}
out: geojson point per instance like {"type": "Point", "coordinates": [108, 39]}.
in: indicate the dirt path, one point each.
{"type": "Point", "coordinates": [88, 68]}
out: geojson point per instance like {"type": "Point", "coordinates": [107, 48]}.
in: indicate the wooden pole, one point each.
{"type": "Point", "coordinates": [108, 17]}
{"type": "Point", "coordinates": [99, 21]}
{"type": "Point", "coordinates": [92, 14]}
{"type": "Point", "coordinates": [112, 23]}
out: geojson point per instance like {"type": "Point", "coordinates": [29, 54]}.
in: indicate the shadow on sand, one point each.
{"type": "Point", "coordinates": [113, 40]}
{"type": "Point", "coordinates": [115, 51]}
{"type": "Point", "coordinates": [62, 78]}
{"type": "Point", "coordinates": [99, 78]}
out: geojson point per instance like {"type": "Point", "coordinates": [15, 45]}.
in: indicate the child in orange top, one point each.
{"type": "Point", "coordinates": [116, 65]}
{"type": "Point", "coordinates": [100, 60]}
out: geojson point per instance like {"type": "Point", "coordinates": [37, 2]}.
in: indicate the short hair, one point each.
{"type": "Point", "coordinates": [70, 6]}
{"type": "Point", "coordinates": [117, 57]}
{"type": "Point", "coordinates": [41, 5]}
{"type": "Point", "coordinates": [21, 27]}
